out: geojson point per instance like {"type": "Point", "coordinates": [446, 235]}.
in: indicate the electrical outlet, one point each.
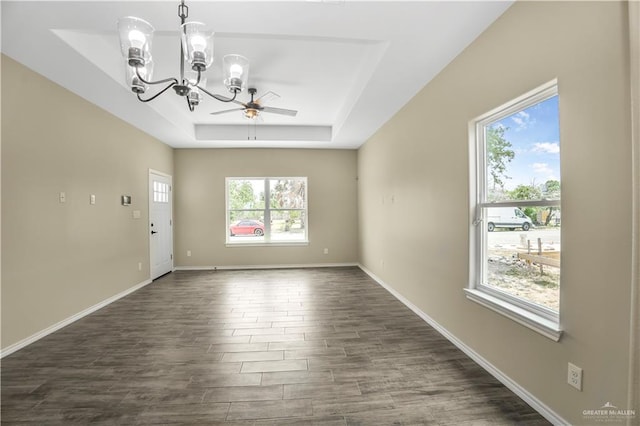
{"type": "Point", "coordinates": [574, 376]}
{"type": "Point", "coordinates": [139, 266]}
{"type": "Point", "coordinates": [188, 253]}
{"type": "Point", "coordinates": [326, 251]}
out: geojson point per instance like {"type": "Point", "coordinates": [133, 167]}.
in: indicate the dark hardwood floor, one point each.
{"type": "Point", "coordinates": [262, 347]}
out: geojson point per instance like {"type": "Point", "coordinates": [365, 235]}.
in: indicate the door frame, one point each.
{"type": "Point", "coordinates": [149, 206]}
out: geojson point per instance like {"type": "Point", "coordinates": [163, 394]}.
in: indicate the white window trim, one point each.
{"type": "Point", "coordinates": [267, 214]}
{"type": "Point", "coordinates": [538, 318]}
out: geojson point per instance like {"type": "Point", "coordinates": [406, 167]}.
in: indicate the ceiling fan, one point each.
{"type": "Point", "coordinates": [253, 108]}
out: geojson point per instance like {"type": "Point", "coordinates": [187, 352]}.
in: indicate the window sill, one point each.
{"type": "Point", "coordinates": [272, 244]}
{"type": "Point", "coordinates": [539, 324]}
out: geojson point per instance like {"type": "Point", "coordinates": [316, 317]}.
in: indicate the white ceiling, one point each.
{"type": "Point", "coordinates": [346, 66]}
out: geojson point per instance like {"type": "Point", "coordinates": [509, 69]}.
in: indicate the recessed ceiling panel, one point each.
{"type": "Point", "coordinates": [345, 68]}
{"type": "Point", "coordinates": [312, 75]}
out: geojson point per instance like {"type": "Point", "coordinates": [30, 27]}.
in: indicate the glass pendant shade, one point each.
{"type": "Point", "coordinates": [236, 72]}
{"type": "Point", "coordinates": [133, 81]}
{"type": "Point", "coordinates": [136, 36]}
{"type": "Point", "coordinates": [197, 42]}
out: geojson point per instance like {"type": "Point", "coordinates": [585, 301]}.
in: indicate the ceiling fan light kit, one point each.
{"type": "Point", "coordinates": [254, 107]}
{"type": "Point", "coordinates": [196, 50]}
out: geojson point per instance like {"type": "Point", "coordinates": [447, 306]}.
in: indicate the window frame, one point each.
{"type": "Point", "coordinates": [539, 318]}
{"type": "Point", "coordinates": [267, 213]}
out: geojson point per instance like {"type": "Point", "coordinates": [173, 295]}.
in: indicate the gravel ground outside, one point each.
{"type": "Point", "coordinates": [516, 277]}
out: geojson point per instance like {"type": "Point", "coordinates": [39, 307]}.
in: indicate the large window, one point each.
{"type": "Point", "coordinates": [267, 210]}
{"type": "Point", "coordinates": [516, 217]}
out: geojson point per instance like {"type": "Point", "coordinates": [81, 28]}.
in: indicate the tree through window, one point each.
{"type": "Point", "coordinates": [517, 216]}
{"type": "Point", "coordinates": [251, 219]}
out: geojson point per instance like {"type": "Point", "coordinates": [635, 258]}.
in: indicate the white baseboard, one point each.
{"type": "Point", "coordinates": [525, 395]}
{"type": "Point", "coordinates": [283, 266]}
{"type": "Point", "coordinates": [73, 318]}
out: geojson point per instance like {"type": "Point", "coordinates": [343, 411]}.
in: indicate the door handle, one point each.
{"type": "Point", "coordinates": [153, 232]}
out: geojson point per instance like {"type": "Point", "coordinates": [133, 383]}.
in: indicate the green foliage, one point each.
{"type": "Point", "coordinates": [551, 189]}
{"type": "Point", "coordinates": [235, 216]}
{"type": "Point", "coordinates": [532, 213]}
{"type": "Point", "coordinates": [532, 272]}
{"type": "Point", "coordinates": [546, 281]}
{"type": "Point", "coordinates": [498, 155]}
{"type": "Point", "coordinates": [551, 192]}
{"type": "Point", "coordinates": [289, 194]}
{"type": "Point", "coordinates": [241, 195]}
{"type": "Point", "coordinates": [525, 192]}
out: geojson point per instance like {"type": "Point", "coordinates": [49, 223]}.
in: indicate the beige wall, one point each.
{"type": "Point", "coordinates": [415, 170]}
{"type": "Point", "coordinates": [634, 47]}
{"type": "Point", "coordinates": [200, 226]}
{"type": "Point", "coordinates": [59, 259]}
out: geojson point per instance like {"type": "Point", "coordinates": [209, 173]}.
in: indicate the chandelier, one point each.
{"type": "Point", "coordinates": [196, 51]}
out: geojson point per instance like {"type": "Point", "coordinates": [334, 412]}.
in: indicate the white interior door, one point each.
{"type": "Point", "coordinates": [160, 224]}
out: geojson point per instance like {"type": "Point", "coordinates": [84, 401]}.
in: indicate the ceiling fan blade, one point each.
{"type": "Point", "coordinates": [281, 111]}
{"type": "Point", "coordinates": [267, 97]}
{"type": "Point", "coordinates": [226, 111]}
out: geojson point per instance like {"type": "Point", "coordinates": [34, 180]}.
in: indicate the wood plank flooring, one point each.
{"type": "Point", "coordinates": [323, 346]}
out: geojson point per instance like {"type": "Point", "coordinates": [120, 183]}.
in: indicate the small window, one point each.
{"type": "Point", "coordinates": [516, 216]}
{"type": "Point", "coordinates": [251, 219]}
{"type": "Point", "coordinates": [160, 192]}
